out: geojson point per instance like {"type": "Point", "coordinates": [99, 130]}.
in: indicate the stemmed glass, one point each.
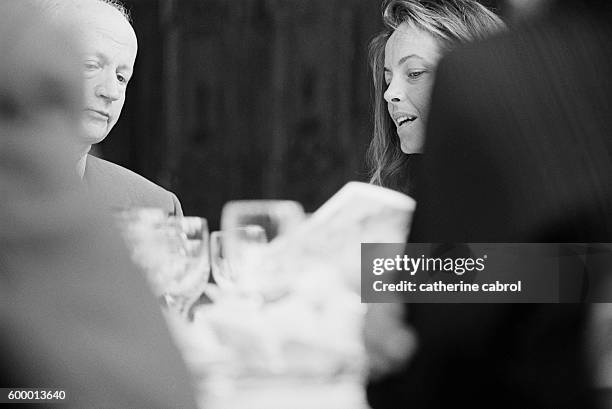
{"type": "Point", "coordinates": [189, 249]}
{"type": "Point", "coordinates": [234, 254]}
{"type": "Point", "coordinates": [277, 217]}
{"type": "Point", "coordinates": [172, 251]}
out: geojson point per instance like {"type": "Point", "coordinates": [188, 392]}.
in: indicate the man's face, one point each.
{"type": "Point", "coordinates": [110, 47]}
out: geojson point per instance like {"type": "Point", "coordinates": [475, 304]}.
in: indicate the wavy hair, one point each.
{"type": "Point", "coordinates": [451, 22]}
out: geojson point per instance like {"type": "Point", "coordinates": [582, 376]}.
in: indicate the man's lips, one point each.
{"type": "Point", "coordinates": [98, 114]}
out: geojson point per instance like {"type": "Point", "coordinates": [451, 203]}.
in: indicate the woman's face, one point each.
{"type": "Point", "coordinates": [411, 56]}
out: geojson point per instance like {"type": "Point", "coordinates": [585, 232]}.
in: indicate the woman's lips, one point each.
{"type": "Point", "coordinates": [403, 119]}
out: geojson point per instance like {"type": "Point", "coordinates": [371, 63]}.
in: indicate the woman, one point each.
{"type": "Point", "coordinates": [403, 60]}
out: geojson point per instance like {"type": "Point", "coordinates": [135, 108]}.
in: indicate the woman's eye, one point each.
{"type": "Point", "coordinates": [415, 74]}
{"type": "Point", "coordinates": [121, 79]}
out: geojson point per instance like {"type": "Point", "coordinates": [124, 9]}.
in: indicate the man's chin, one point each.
{"type": "Point", "coordinates": [88, 141]}
{"type": "Point", "coordinates": [91, 138]}
{"type": "Point", "coordinates": [93, 131]}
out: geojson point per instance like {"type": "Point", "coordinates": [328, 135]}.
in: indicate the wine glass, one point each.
{"type": "Point", "coordinates": [173, 252]}
{"type": "Point", "coordinates": [277, 217]}
{"type": "Point", "coordinates": [188, 246]}
{"type": "Point", "coordinates": [234, 252]}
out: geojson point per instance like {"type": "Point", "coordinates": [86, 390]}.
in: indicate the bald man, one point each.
{"type": "Point", "coordinates": [110, 48]}
{"type": "Point", "coordinates": [75, 314]}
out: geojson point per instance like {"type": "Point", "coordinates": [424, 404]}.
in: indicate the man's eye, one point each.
{"type": "Point", "coordinates": [122, 79]}
{"type": "Point", "coordinates": [415, 74]}
{"type": "Point", "coordinates": [91, 65]}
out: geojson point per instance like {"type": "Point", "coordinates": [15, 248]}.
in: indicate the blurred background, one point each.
{"type": "Point", "coordinates": [249, 99]}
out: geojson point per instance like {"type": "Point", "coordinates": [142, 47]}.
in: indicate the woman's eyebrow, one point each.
{"type": "Point", "coordinates": [404, 59]}
{"type": "Point", "coordinates": [407, 57]}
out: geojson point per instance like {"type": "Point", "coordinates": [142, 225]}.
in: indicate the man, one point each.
{"type": "Point", "coordinates": [518, 150]}
{"type": "Point", "coordinates": [108, 63]}
{"type": "Point", "coordinates": [74, 313]}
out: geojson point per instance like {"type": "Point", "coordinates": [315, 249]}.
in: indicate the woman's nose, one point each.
{"type": "Point", "coordinates": [394, 92]}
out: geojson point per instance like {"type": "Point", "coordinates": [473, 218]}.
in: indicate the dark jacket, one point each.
{"type": "Point", "coordinates": [119, 188]}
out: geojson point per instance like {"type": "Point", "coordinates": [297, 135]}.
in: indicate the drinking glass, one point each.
{"type": "Point", "coordinates": [234, 254]}
{"type": "Point", "coordinates": [277, 217]}
{"type": "Point", "coordinates": [189, 251]}
{"type": "Point", "coordinates": [172, 251]}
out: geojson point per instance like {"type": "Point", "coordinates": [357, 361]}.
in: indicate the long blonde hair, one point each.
{"type": "Point", "coordinates": [450, 22]}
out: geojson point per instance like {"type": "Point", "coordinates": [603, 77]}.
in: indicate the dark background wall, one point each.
{"type": "Point", "coordinates": [248, 99]}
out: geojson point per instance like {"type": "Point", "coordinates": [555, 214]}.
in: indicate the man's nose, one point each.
{"type": "Point", "coordinates": [108, 88]}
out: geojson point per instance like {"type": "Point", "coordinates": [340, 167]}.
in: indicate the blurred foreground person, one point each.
{"type": "Point", "coordinates": [403, 59]}
{"type": "Point", "coordinates": [518, 149]}
{"type": "Point", "coordinates": [109, 53]}
{"type": "Point", "coordinates": [75, 315]}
